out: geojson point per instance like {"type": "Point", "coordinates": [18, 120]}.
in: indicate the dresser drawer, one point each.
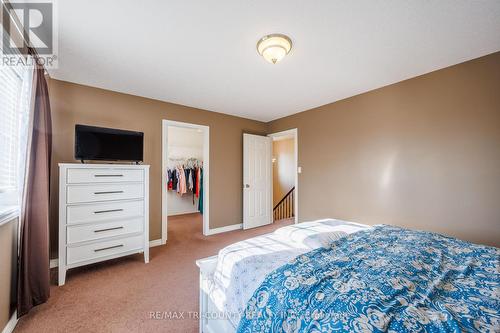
{"type": "Point", "coordinates": [103, 175]}
{"type": "Point", "coordinates": [103, 192]}
{"type": "Point", "coordinates": [99, 212]}
{"type": "Point", "coordinates": [103, 249]}
{"type": "Point", "coordinates": [87, 232]}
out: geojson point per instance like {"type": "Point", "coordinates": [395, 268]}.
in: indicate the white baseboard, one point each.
{"type": "Point", "coordinates": [184, 213]}
{"type": "Point", "coordinates": [224, 229]}
{"type": "Point", "coordinates": [55, 262]}
{"type": "Point", "coordinates": [11, 324]}
{"type": "Point", "coordinates": [156, 242]}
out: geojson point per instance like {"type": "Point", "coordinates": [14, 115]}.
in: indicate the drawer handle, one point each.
{"type": "Point", "coordinates": [108, 211]}
{"type": "Point", "coordinates": [108, 175]}
{"type": "Point", "coordinates": [108, 248]}
{"type": "Point", "coordinates": [108, 229]}
{"type": "Point", "coordinates": [108, 192]}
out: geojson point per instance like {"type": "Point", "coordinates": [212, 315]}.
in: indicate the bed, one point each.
{"type": "Point", "coordinates": [336, 276]}
{"type": "Point", "coordinates": [228, 279]}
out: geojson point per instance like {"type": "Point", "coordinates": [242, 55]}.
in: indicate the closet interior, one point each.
{"type": "Point", "coordinates": [184, 171]}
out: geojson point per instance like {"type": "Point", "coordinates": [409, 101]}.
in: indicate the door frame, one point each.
{"type": "Point", "coordinates": [295, 133]}
{"type": "Point", "coordinates": [206, 174]}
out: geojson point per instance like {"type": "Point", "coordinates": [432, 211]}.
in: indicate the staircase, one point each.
{"type": "Point", "coordinates": [285, 209]}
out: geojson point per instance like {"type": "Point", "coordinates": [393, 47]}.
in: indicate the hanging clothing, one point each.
{"type": "Point", "coordinates": [186, 177]}
{"type": "Point", "coordinates": [169, 179]}
{"type": "Point", "coordinates": [190, 179]}
{"type": "Point", "coordinates": [198, 175]}
{"type": "Point", "coordinates": [182, 181]}
{"type": "Point", "coordinates": [177, 177]}
{"type": "Point", "coordinates": [200, 201]}
{"type": "Point", "coordinates": [186, 174]}
{"type": "Point", "coordinates": [190, 182]}
{"type": "Point", "coordinates": [193, 179]}
{"type": "Point", "coordinates": [175, 180]}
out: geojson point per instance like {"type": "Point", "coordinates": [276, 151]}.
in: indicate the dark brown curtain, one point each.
{"type": "Point", "coordinates": [33, 275]}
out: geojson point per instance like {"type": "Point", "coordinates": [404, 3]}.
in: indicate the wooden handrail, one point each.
{"type": "Point", "coordinates": [285, 209]}
{"type": "Point", "coordinates": [283, 199]}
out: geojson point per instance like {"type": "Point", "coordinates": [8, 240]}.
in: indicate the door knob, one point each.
{"type": "Point", "coordinates": [247, 186]}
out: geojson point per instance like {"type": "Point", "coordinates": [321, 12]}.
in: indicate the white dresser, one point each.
{"type": "Point", "coordinates": [103, 213]}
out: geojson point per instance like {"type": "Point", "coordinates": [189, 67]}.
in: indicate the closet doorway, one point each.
{"type": "Point", "coordinates": [185, 173]}
{"type": "Point", "coordinates": [285, 175]}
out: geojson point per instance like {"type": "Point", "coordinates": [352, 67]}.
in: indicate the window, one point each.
{"type": "Point", "coordinates": [15, 94]}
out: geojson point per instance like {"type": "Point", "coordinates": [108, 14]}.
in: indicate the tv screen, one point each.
{"type": "Point", "coordinates": [99, 143]}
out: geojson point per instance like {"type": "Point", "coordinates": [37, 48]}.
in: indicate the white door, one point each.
{"type": "Point", "coordinates": [257, 183]}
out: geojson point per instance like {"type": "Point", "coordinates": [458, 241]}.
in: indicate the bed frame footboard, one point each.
{"type": "Point", "coordinates": [210, 317]}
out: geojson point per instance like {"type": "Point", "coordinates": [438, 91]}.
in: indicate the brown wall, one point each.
{"type": "Point", "coordinates": [422, 153]}
{"type": "Point", "coordinates": [283, 168]}
{"type": "Point", "coordinates": [76, 104]}
{"type": "Point", "coordinates": [8, 271]}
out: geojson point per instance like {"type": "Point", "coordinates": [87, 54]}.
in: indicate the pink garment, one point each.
{"type": "Point", "coordinates": [179, 179]}
{"type": "Point", "coordinates": [182, 181]}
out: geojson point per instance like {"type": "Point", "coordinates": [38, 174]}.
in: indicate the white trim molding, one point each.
{"type": "Point", "coordinates": [157, 242]}
{"type": "Point", "coordinates": [11, 324]}
{"type": "Point", "coordinates": [224, 229]}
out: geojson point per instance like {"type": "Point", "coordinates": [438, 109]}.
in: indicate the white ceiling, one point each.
{"type": "Point", "coordinates": [203, 53]}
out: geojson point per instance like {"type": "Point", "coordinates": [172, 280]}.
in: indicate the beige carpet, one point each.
{"type": "Point", "coordinates": [119, 295]}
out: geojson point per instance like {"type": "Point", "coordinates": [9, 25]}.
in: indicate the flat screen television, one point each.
{"type": "Point", "coordinates": [108, 144]}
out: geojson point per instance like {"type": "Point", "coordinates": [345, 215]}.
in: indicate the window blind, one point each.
{"type": "Point", "coordinates": [14, 111]}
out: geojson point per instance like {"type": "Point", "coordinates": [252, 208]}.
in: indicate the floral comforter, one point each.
{"type": "Point", "coordinates": [385, 279]}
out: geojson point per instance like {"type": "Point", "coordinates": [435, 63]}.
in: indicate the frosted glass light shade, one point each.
{"type": "Point", "coordinates": [274, 47]}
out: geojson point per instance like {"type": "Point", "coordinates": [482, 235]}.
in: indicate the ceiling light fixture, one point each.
{"type": "Point", "coordinates": [274, 47]}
